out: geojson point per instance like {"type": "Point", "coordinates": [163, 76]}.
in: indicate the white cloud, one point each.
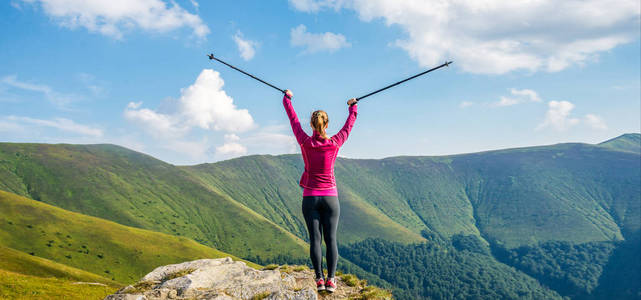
{"type": "Point", "coordinates": [62, 124]}
{"type": "Point", "coordinates": [465, 104]}
{"type": "Point", "coordinates": [112, 17]}
{"type": "Point", "coordinates": [156, 123]}
{"type": "Point", "coordinates": [518, 96]}
{"type": "Point", "coordinates": [204, 105]}
{"type": "Point", "coordinates": [317, 42]}
{"type": "Point", "coordinates": [313, 5]}
{"type": "Point", "coordinates": [231, 137]}
{"type": "Point", "coordinates": [56, 98]}
{"type": "Point", "coordinates": [194, 150]}
{"type": "Point", "coordinates": [94, 86]}
{"type": "Point", "coordinates": [246, 47]}
{"type": "Point", "coordinates": [595, 122]}
{"type": "Point", "coordinates": [15, 4]}
{"type": "Point", "coordinates": [13, 81]}
{"type": "Point", "coordinates": [558, 116]}
{"type": "Point", "coordinates": [273, 139]}
{"type": "Point", "coordinates": [195, 4]}
{"type": "Point", "coordinates": [11, 127]}
{"type": "Point", "coordinates": [231, 147]}
{"type": "Point", "coordinates": [497, 37]}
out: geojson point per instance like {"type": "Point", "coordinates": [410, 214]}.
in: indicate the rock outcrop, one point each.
{"type": "Point", "coordinates": [227, 279]}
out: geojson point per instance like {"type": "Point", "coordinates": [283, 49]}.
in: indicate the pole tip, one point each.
{"type": "Point", "coordinates": [211, 56]}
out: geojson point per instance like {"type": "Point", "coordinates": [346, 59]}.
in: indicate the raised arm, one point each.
{"type": "Point", "coordinates": [301, 136]}
{"type": "Point", "coordinates": [342, 135]}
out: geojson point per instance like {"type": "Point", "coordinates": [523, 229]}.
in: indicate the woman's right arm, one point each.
{"type": "Point", "coordinates": [301, 136]}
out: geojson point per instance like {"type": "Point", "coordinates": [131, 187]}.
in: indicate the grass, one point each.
{"type": "Point", "coordinates": [23, 263]}
{"type": "Point", "coordinates": [120, 253]}
{"type": "Point", "coordinates": [300, 268]}
{"type": "Point", "coordinates": [137, 190]}
{"type": "Point", "coordinates": [350, 279]}
{"type": "Point", "coordinates": [365, 291]}
{"type": "Point", "coordinates": [180, 273]}
{"type": "Point", "coordinates": [261, 296]}
{"type": "Point", "coordinates": [626, 142]}
{"type": "Point", "coordinates": [372, 292]}
{"type": "Point", "coordinates": [140, 287]}
{"type": "Point", "coordinates": [143, 286]}
{"type": "Point", "coordinates": [20, 286]}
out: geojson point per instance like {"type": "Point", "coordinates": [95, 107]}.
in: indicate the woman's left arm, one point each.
{"type": "Point", "coordinates": [342, 135]}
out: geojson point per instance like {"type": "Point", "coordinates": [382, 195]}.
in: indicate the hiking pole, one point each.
{"type": "Point", "coordinates": [211, 56]}
{"type": "Point", "coordinates": [446, 64]}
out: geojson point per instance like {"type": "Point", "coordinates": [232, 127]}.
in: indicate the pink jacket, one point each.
{"type": "Point", "coordinates": [319, 154]}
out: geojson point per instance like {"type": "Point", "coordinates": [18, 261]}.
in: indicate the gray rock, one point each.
{"type": "Point", "coordinates": [220, 278]}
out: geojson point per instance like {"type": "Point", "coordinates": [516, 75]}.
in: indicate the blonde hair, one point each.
{"type": "Point", "coordinates": [319, 121]}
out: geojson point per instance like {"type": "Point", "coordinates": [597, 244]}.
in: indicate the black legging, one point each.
{"type": "Point", "coordinates": [322, 211]}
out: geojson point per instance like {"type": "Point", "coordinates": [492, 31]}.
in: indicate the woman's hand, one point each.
{"type": "Point", "coordinates": [352, 101]}
{"type": "Point", "coordinates": [289, 94]}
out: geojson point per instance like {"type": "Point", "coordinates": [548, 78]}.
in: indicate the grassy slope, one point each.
{"type": "Point", "coordinates": [630, 142]}
{"type": "Point", "coordinates": [571, 192]}
{"type": "Point", "coordinates": [119, 252]}
{"type": "Point", "coordinates": [421, 193]}
{"type": "Point", "coordinates": [19, 262]}
{"type": "Point", "coordinates": [24, 276]}
{"type": "Point", "coordinates": [19, 286]}
{"type": "Point", "coordinates": [133, 189]}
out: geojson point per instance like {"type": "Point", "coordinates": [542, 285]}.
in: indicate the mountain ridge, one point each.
{"type": "Point", "coordinates": [520, 201]}
{"type": "Point", "coordinates": [627, 137]}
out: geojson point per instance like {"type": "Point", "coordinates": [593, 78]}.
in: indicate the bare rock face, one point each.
{"type": "Point", "coordinates": [217, 279]}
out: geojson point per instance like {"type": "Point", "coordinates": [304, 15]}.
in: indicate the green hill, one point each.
{"type": "Point", "coordinates": [120, 253]}
{"type": "Point", "coordinates": [137, 190]}
{"type": "Point", "coordinates": [514, 210]}
{"type": "Point", "coordinates": [627, 142]}
{"type": "Point", "coordinates": [566, 192]}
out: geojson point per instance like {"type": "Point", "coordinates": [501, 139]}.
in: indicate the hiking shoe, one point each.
{"type": "Point", "coordinates": [330, 285]}
{"type": "Point", "coordinates": [320, 284]}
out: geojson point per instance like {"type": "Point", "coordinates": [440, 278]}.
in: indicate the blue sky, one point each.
{"type": "Point", "coordinates": [134, 73]}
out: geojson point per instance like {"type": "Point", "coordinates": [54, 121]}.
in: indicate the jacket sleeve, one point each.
{"type": "Point", "coordinates": [342, 135]}
{"type": "Point", "coordinates": [301, 136]}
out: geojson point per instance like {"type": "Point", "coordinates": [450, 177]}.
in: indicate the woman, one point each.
{"type": "Point", "coordinates": [320, 196]}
